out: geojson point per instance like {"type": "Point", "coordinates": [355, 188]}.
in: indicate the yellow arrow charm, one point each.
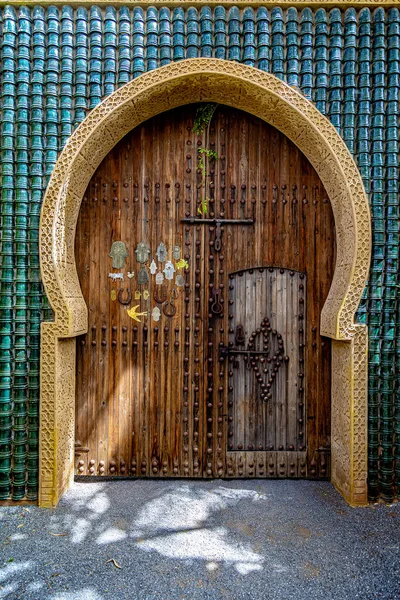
{"type": "Point", "coordinates": [132, 312]}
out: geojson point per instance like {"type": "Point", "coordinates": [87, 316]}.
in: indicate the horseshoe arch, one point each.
{"type": "Point", "coordinates": [267, 97]}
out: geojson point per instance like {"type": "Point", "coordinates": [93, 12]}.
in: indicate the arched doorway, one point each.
{"type": "Point", "coordinates": [260, 94]}
{"type": "Point", "coordinates": [205, 258]}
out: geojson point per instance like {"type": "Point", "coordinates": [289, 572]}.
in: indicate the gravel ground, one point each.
{"type": "Point", "coordinates": [187, 540]}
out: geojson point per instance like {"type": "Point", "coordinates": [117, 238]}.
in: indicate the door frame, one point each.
{"type": "Point", "coordinates": [272, 100]}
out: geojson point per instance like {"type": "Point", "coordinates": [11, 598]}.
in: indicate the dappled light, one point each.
{"type": "Point", "coordinates": [175, 524]}
{"type": "Point", "coordinates": [183, 513]}
{"type": "Point", "coordinates": [189, 540]}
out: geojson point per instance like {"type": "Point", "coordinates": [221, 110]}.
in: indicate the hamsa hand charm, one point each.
{"type": "Point", "coordinates": [169, 270]}
{"type": "Point", "coordinates": [143, 276]}
{"type": "Point", "coordinates": [161, 252]}
{"type": "Point", "coordinates": [153, 267]}
{"type": "Point", "coordinates": [180, 280]}
{"type": "Point", "coordinates": [156, 313]}
{"type": "Point", "coordinates": [159, 278]}
{"type": "Point", "coordinates": [176, 252]}
{"type": "Point", "coordinates": [142, 252]}
{"type": "Point", "coordinates": [118, 254]}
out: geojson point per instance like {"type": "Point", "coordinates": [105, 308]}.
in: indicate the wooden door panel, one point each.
{"type": "Point", "coordinates": [266, 360]}
{"type": "Point", "coordinates": [156, 398]}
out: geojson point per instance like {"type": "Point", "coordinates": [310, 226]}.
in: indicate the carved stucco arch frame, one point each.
{"type": "Point", "coordinates": [265, 96]}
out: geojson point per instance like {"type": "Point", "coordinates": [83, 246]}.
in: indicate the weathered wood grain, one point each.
{"type": "Point", "coordinates": [157, 398]}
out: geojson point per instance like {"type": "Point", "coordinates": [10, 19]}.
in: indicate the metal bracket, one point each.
{"type": "Point", "coordinates": [198, 221]}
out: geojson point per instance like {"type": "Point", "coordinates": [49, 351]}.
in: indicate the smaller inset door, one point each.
{"type": "Point", "coordinates": [266, 402]}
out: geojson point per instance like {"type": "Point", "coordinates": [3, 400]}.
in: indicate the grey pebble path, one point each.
{"type": "Point", "coordinates": [190, 540]}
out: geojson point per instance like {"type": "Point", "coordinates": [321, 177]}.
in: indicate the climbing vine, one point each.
{"type": "Point", "coordinates": [207, 153]}
{"type": "Point", "coordinates": [204, 115]}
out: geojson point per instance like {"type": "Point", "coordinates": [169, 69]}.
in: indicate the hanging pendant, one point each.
{"type": "Point", "coordinates": [176, 252]}
{"type": "Point", "coordinates": [169, 309]}
{"type": "Point", "coordinates": [142, 252]}
{"type": "Point", "coordinates": [174, 294]}
{"type": "Point", "coordinates": [161, 252]}
{"type": "Point", "coordinates": [159, 278]}
{"type": "Point", "coordinates": [113, 295]}
{"type": "Point", "coordinates": [182, 264]}
{"type": "Point", "coordinates": [146, 295]}
{"type": "Point", "coordinates": [138, 295]}
{"type": "Point", "coordinates": [118, 254]}
{"type": "Point", "coordinates": [169, 270]}
{"type": "Point", "coordinates": [116, 276]}
{"type": "Point", "coordinates": [131, 274]}
{"type": "Point", "coordinates": [156, 313]}
{"type": "Point", "coordinates": [132, 312]}
{"type": "Point", "coordinates": [160, 294]}
{"type": "Point", "coordinates": [143, 276]}
{"type": "Point", "coordinates": [128, 298]}
{"type": "Point", "coordinates": [180, 280]}
{"type": "Point", "coordinates": [153, 267]}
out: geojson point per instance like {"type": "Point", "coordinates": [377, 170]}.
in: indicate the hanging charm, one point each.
{"type": "Point", "coordinates": [176, 252]}
{"type": "Point", "coordinates": [174, 294]}
{"type": "Point", "coordinates": [169, 270]}
{"type": "Point", "coordinates": [113, 295]}
{"type": "Point", "coordinates": [142, 252]}
{"type": "Point", "coordinates": [132, 312]}
{"type": "Point", "coordinates": [159, 278]}
{"type": "Point", "coordinates": [115, 276]}
{"type": "Point", "coordinates": [131, 274]}
{"type": "Point", "coordinates": [160, 294]}
{"type": "Point", "coordinates": [182, 264]}
{"type": "Point", "coordinates": [138, 295]}
{"type": "Point", "coordinates": [118, 254]}
{"type": "Point", "coordinates": [161, 252]}
{"type": "Point", "coordinates": [153, 267]}
{"type": "Point", "coordinates": [146, 295]}
{"type": "Point", "coordinates": [180, 280]}
{"type": "Point", "coordinates": [143, 276]}
{"type": "Point", "coordinates": [156, 313]}
{"type": "Point", "coordinates": [121, 296]}
{"type": "Point", "coordinates": [169, 309]}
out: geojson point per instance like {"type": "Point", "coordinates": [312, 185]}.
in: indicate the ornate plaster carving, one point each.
{"type": "Point", "coordinates": [265, 96]}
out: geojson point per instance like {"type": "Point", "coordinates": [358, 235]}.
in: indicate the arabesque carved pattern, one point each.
{"type": "Point", "coordinates": [176, 84]}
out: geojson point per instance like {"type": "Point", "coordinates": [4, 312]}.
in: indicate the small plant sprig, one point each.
{"type": "Point", "coordinates": [203, 117]}
{"type": "Point", "coordinates": [203, 208]}
{"type": "Point", "coordinates": [201, 124]}
{"type": "Point", "coordinates": [205, 152]}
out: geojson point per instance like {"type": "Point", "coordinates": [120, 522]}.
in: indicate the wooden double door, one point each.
{"type": "Point", "coordinates": [205, 251]}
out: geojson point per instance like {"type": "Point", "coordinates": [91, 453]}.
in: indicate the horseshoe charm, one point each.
{"type": "Point", "coordinates": [160, 294]}
{"type": "Point", "coordinates": [128, 298]}
{"type": "Point", "coordinates": [169, 309]}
